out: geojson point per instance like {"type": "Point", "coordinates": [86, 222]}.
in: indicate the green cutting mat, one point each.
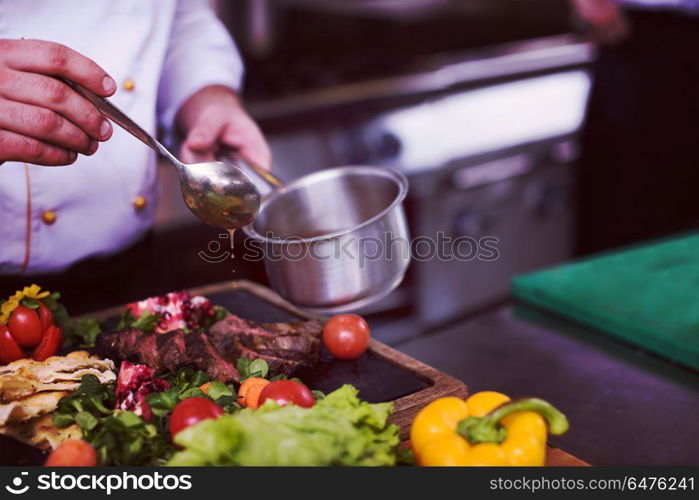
{"type": "Point", "coordinates": [648, 295]}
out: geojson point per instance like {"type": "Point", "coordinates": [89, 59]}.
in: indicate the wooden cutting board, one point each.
{"type": "Point", "coordinates": [382, 374]}
{"type": "Point", "coordinates": [436, 384]}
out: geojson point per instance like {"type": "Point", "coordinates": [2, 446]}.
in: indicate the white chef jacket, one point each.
{"type": "Point", "coordinates": [159, 52]}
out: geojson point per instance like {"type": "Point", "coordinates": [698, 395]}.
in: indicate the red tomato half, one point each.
{"type": "Point", "coordinates": [9, 350]}
{"type": "Point", "coordinates": [45, 317]}
{"type": "Point", "coordinates": [192, 411]}
{"type": "Point", "coordinates": [25, 326]}
{"type": "Point", "coordinates": [73, 453]}
{"type": "Point", "coordinates": [346, 336]}
{"type": "Point", "coordinates": [286, 392]}
{"type": "Point", "coordinates": [50, 343]}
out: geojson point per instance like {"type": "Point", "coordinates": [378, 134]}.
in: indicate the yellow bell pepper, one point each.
{"type": "Point", "coordinates": [486, 429]}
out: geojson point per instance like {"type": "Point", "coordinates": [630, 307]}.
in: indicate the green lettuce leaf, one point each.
{"type": "Point", "coordinates": [339, 430]}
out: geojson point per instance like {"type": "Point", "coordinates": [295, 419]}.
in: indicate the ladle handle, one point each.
{"type": "Point", "coordinates": [109, 110]}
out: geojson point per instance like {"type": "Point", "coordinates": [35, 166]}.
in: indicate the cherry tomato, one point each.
{"type": "Point", "coordinates": [192, 411]}
{"type": "Point", "coordinates": [50, 343]}
{"type": "Point", "coordinates": [286, 392]}
{"type": "Point", "coordinates": [45, 316]}
{"type": "Point", "coordinates": [9, 350]}
{"type": "Point", "coordinates": [25, 326]}
{"type": "Point", "coordinates": [72, 453]}
{"type": "Point", "coordinates": [346, 336]}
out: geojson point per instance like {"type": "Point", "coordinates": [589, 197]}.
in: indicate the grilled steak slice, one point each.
{"type": "Point", "coordinates": [299, 336]}
{"type": "Point", "coordinates": [167, 352]}
{"type": "Point", "coordinates": [203, 356]}
{"type": "Point", "coordinates": [171, 348]}
{"type": "Point", "coordinates": [121, 346]}
{"type": "Point", "coordinates": [285, 346]}
{"type": "Point", "coordinates": [148, 352]}
{"type": "Point", "coordinates": [231, 349]}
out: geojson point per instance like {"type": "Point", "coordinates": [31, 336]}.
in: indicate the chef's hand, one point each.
{"type": "Point", "coordinates": [607, 23]}
{"type": "Point", "coordinates": [42, 120]}
{"type": "Point", "coordinates": [214, 119]}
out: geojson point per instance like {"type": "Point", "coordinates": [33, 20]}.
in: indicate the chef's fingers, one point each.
{"type": "Point", "coordinates": [46, 125]}
{"type": "Point", "coordinates": [54, 59]}
{"type": "Point", "coordinates": [202, 139]}
{"type": "Point", "coordinates": [48, 92]}
{"type": "Point", "coordinates": [18, 147]}
{"type": "Point", "coordinates": [189, 156]}
{"type": "Point", "coordinates": [247, 138]}
{"type": "Point", "coordinates": [193, 152]}
{"type": "Point", "coordinates": [204, 135]}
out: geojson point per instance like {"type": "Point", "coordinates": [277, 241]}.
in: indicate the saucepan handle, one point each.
{"type": "Point", "coordinates": [232, 156]}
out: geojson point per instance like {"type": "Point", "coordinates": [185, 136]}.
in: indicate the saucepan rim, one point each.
{"type": "Point", "coordinates": [398, 177]}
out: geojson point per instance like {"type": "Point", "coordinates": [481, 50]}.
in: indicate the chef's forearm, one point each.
{"type": "Point", "coordinates": [200, 53]}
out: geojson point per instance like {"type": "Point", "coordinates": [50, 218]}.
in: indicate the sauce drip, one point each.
{"type": "Point", "coordinates": [231, 233]}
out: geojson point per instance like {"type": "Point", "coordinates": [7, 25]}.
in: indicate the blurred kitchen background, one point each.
{"type": "Point", "coordinates": [479, 102]}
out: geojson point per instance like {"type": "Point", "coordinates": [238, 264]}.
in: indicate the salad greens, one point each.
{"type": "Point", "coordinates": [81, 331]}
{"type": "Point", "coordinates": [124, 438]}
{"type": "Point", "coordinates": [119, 437]}
{"type": "Point", "coordinates": [186, 383]}
{"type": "Point", "coordinates": [251, 368]}
{"type": "Point", "coordinates": [146, 322]}
{"type": "Point", "coordinates": [339, 430]}
{"type": "Point", "coordinates": [220, 313]}
{"type": "Point", "coordinates": [91, 401]}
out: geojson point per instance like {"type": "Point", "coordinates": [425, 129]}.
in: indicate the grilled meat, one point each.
{"type": "Point", "coordinates": [167, 352]}
{"type": "Point", "coordinates": [204, 357]}
{"type": "Point", "coordinates": [232, 349]}
{"type": "Point", "coordinates": [285, 347]}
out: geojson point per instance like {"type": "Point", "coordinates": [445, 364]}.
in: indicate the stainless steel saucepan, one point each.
{"type": "Point", "coordinates": [335, 240]}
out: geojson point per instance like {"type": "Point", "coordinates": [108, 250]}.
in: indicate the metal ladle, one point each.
{"type": "Point", "coordinates": [219, 193]}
